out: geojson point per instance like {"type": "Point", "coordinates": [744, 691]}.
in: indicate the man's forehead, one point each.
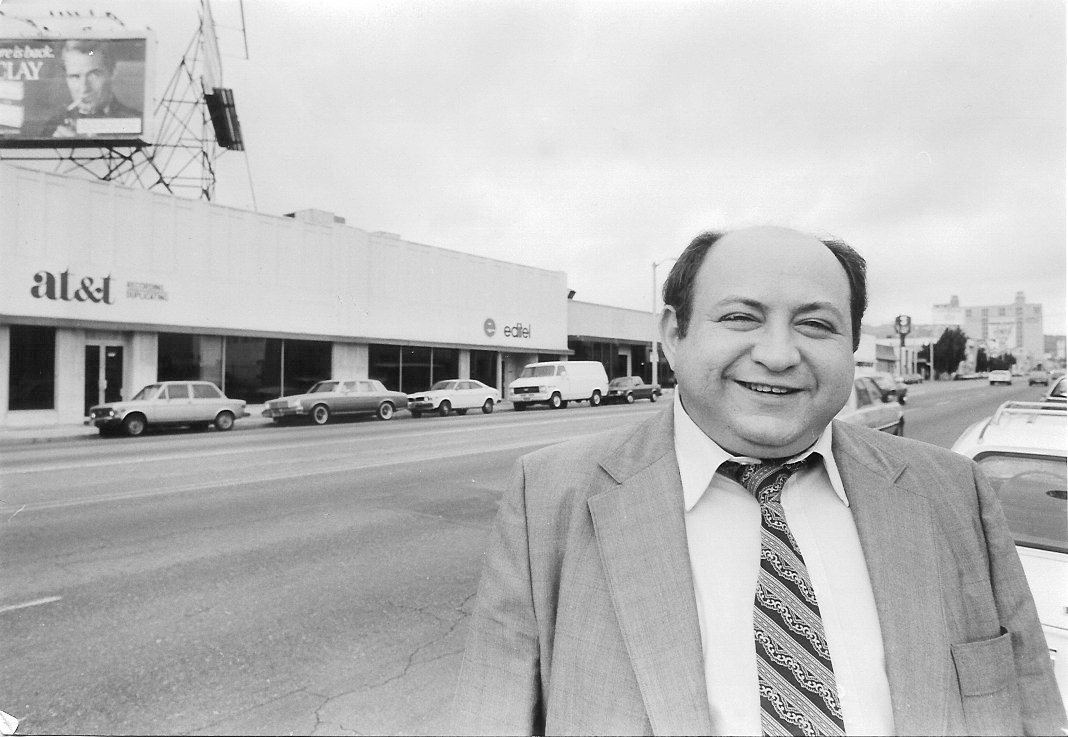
{"type": "Point", "coordinates": [775, 258]}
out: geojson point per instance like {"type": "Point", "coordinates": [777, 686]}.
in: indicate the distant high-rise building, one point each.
{"type": "Point", "coordinates": [1014, 328]}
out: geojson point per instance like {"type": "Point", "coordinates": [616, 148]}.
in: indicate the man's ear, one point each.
{"type": "Point", "coordinates": [669, 333]}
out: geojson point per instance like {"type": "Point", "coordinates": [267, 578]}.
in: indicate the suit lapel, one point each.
{"type": "Point", "coordinates": [641, 534]}
{"type": "Point", "coordinates": [896, 530]}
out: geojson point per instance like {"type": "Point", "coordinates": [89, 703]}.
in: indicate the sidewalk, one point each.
{"type": "Point", "coordinates": [68, 431]}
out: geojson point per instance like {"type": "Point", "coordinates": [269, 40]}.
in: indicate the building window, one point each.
{"type": "Point", "coordinates": [411, 368]}
{"type": "Point", "coordinates": [253, 369]}
{"type": "Point", "coordinates": [306, 362]}
{"type": "Point", "coordinates": [183, 357]}
{"type": "Point", "coordinates": [32, 368]}
{"type": "Point", "coordinates": [484, 367]}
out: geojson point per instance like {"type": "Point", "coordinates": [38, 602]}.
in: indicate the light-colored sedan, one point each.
{"type": "Point", "coordinates": [454, 394]}
{"type": "Point", "coordinates": [168, 403]}
{"type": "Point", "coordinates": [1000, 377]}
{"type": "Point", "coordinates": [337, 397]}
{"type": "Point", "coordinates": [869, 406]}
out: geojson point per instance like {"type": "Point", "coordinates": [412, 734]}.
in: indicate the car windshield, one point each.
{"type": "Point", "coordinates": [1032, 492]}
{"type": "Point", "coordinates": [619, 382]}
{"type": "Point", "coordinates": [439, 386]}
{"type": "Point", "coordinates": [148, 392]}
{"type": "Point", "coordinates": [323, 386]}
{"type": "Point", "coordinates": [1059, 389]}
{"type": "Point", "coordinates": [531, 371]}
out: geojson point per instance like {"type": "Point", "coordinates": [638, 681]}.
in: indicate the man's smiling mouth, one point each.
{"type": "Point", "coordinates": [767, 388]}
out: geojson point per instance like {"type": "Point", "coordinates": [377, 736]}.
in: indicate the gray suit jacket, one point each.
{"type": "Point", "coordinates": [586, 621]}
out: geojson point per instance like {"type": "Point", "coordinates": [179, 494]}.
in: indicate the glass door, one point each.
{"type": "Point", "coordinates": [103, 374]}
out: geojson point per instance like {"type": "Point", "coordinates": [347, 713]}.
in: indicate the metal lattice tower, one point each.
{"type": "Point", "coordinates": [181, 160]}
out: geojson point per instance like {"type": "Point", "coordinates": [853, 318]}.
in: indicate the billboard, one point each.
{"type": "Point", "coordinates": [74, 91]}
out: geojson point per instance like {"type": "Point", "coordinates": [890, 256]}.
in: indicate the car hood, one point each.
{"type": "Point", "coordinates": [291, 397]}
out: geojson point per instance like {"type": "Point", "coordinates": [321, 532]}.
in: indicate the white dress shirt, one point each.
{"type": "Point", "coordinates": [723, 535]}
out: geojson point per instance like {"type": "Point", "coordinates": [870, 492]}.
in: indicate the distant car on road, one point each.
{"type": "Point", "coordinates": [337, 397]}
{"type": "Point", "coordinates": [867, 407]}
{"type": "Point", "coordinates": [1022, 450]}
{"type": "Point", "coordinates": [1056, 394]}
{"type": "Point", "coordinates": [1000, 377]}
{"type": "Point", "coordinates": [628, 388]}
{"type": "Point", "coordinates": [1038, 376]}
{"type": "Point", "coordinates": [454, 394]}
{"type": "Point", "coordinates": [890, 388]}
{"type": "Point", "coordinates": [168, 403]}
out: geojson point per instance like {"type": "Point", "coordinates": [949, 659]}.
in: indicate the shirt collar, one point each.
{"type": "Point", "coordinates": [699, 457]}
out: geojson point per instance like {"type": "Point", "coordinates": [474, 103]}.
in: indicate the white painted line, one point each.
{"type": "Point", "coordinates": [25, 604]}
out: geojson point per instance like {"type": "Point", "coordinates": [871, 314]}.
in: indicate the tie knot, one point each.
{"type": "Point", "coordinates": [764, 481]}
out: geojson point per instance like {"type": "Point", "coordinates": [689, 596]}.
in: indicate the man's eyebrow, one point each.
{"type": "Point", "coordinates": [814, 306]}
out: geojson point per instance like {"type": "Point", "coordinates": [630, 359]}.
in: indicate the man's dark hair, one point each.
{"type": "Point", "coordinates": [678, 288]}
{"type": "Point", "coordinates": [92, 47]}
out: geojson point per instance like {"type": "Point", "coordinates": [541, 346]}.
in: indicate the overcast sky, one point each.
{"type": "Point", "coordinates": [598, 137]}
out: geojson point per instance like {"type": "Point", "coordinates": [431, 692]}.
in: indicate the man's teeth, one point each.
{"type": "Point", "coordinates": [767, 388]}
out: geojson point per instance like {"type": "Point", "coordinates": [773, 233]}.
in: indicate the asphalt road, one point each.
{"type": "Point", "coordinates": [311, 580]}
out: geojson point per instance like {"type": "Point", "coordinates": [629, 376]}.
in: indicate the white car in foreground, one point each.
{"type": "Point", "coordinates": [454, 394]}
{"type": "Point", "coordinates": [1022, 449]}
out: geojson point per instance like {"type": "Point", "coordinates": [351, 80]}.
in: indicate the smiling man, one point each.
{"type": "Point", "coordinates": [743, 564]}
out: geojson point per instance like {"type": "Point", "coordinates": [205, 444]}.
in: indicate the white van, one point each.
{"type": "Point", "coordinates": [556, 383]}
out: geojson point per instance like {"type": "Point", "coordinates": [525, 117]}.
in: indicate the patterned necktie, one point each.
{"type": "Point", "coordinates": [798, 695]}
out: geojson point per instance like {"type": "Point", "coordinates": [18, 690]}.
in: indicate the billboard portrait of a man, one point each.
{"type": "Point", "coordinates": [76, 90]}
{"type": "Point", "coordinates": [89, 71]}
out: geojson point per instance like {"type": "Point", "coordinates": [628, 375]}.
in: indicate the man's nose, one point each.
{"type": "Point", "coordinates": [775, 347]}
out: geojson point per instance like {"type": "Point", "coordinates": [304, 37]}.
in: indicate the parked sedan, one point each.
{"type": "Point", "coordinates": [867, 407]}
{"type": "Point", "coordinates": [168, 403]}
{"type": "Point", "coordinates": [628, 388]}
{"type": "Point", "coordinates": [337, 397]}
{"type": "Point", "coordinates": [889, 388]}
{"type": "Point", "coordinates": [454, 394]}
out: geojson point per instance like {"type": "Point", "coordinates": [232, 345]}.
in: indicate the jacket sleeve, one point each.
{"type": "Point", "coordinates": [499, 689]}
{"type": "Point", "coordinates": [1041, 708]}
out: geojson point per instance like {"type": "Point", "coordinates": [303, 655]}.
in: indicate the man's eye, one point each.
{"type": "Point", "coordinates": [740, 317]}
{"type": "Point", "coordinates": [818, 325]}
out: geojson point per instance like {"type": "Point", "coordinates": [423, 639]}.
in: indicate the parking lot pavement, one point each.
{"type": "Point", "coordinates": [49, 433]}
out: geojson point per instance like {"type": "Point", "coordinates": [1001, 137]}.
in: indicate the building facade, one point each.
{"type": "Point", "coordinates": [1014, 328]}
{"type": "Point", "coordinates": [104, 289]}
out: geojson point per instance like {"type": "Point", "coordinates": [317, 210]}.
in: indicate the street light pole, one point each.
{"type": "Point", "coordinates": [656, 320]}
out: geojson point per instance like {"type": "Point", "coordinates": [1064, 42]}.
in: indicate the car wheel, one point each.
{"type": "Point", "coordinates": [320, 414]}
{"type": "Point", "coordinates": [416, 413]}
{"type": "Point", "coordinates": [595, 399]}
{"type": "Point", "coordinates": [444, 407]}
{"type": "Point", "coordinates": [556, 402]}
{"type": "Point", "coordinates": [630, 398]}
{"type": "Point", "coordinates": [385, 411]}
{"type": "Point", "coordinates": [487, 407]}
{"type": "Point", "coordinates": [224, 421]}
{"type": "Point", "coordinates": [134, 425]}
{"type": "Point", "coordinates": [653, 396]}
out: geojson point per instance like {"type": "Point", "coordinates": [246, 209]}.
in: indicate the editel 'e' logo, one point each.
{"type": "Point", "coordinates": [489, 326]}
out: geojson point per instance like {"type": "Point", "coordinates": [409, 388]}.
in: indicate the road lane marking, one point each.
{"type": "Point", "coordinates": [298, 473]}
{"type": "Point", "coordinates": [311, 442]}
{"type": "Point", "coordinates": [27, 604]}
